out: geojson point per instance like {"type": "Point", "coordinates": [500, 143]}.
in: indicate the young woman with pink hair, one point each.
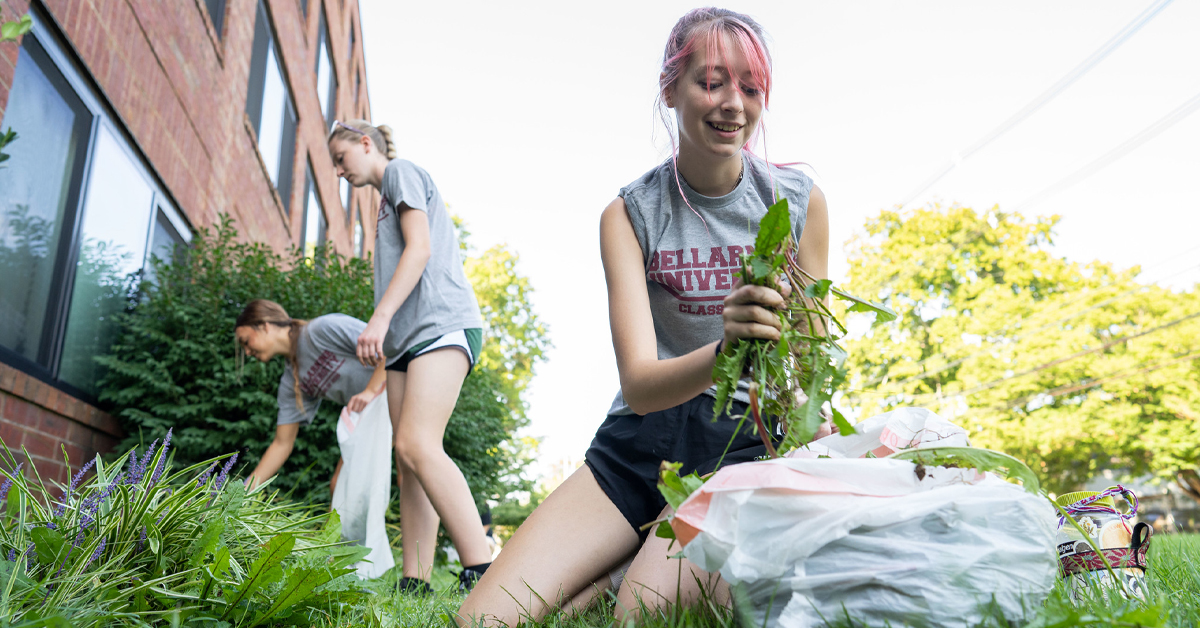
{"type": "Point", "coordinates": [670, 245]}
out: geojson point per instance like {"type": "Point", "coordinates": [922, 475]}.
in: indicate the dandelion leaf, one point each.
{"type": "Point", "coordinates": [984, 460]}
{"type": "Point", "coordinates": [774, 228]}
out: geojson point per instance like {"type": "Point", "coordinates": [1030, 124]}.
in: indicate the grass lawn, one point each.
{"type": "Point", "coordinates": [1174, 585]}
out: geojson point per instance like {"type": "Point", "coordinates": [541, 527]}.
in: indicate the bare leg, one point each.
{"type": "Point", "coordinates": [571, 540]}
{"type": "Point", "coordinates": [433, 485]}
{"type": "Point", "coordinates": [595, 592]}
{"type": "Point", "coordinates": [654, 580]}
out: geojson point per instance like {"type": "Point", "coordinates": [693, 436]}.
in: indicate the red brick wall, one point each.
{"type": "Point", "coordinates": [45, 422]}
{"type": "Point", "coordinates": [181, 91]}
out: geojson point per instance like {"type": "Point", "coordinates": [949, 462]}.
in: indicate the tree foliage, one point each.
{"type": "Point", "coordinates": [174, 365]}
{"type": "Point", "coordinates": [1071, 367]}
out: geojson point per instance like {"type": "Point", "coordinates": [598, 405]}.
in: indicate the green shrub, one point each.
{"type": "Point", "coordinates": [174, 365]}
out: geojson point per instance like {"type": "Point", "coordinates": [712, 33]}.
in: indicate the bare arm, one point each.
{"type": "Point", "coordinates": [647, 383]}
{"type": "Point", "coordinates": [414, 225]}
{"type": "Point", "coordinates": [277, 454]}
{"type": "Point", "coordinates": [336, 473]}
{"type": "Point", "coordinates": [374, 387]}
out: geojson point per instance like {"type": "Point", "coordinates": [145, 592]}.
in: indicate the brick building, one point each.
{"type": "Point", "coordinates": [140, 121]}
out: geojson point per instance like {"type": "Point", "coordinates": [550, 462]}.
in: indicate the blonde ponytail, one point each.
{"type": "Point", "coordinates": [389, 146]}
{"type": "Point", "coordinates": [351, 130]}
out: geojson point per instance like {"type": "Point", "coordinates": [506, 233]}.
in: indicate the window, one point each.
{"type": "Point", "coordinates": [269, 106]}
{"type": "Point", "coordinates": [358, 235]}
{"type": "Point", "coordinates": [346, 190]}
{"type": "Point", "coordinates": [314, 218]}
{"type": "Point", "coordinates": [78, 214]}
{"type": "Point", "coordinates": [350, 48]}
{"type": "Point", "coordinates": [326, 81]}
{"type": "Point", "coordinates": [216, 12]}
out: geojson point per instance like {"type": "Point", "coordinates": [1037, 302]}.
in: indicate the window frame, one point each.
{"type": "Point", "coordinates": [216, 19]}
{"type": "Point", "coordinates": [255, 94]}
{"type": "Point", "coordinates": [47, 366]}
{"type": "Point", "coordinates": [324, 46]}
{"type": "Point", "coordinates": [311, 191]}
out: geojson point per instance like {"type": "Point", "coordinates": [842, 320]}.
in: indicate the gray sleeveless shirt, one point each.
{"type": "Point", "coordinates": [691, 267]}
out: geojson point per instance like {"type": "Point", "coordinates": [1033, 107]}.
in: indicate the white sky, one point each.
{"type": "Point", "coordinates": [530, 117]}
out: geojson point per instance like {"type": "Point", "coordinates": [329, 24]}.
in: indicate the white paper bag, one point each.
{"type": "Point", "coordinates": [364, 485]}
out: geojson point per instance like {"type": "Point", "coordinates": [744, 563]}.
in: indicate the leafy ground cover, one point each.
{"type": "Point", "coordinates": [135, 542]}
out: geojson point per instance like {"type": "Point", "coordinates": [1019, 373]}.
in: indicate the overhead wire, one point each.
{"type": "Point", "coordinates": [1043, 366]}
{"type": "Point", "coordinates": [1043, 327]}
{"type": "Point", "coordinates": [1045, 97]}
{"type": "Point", "coordinates": [1141, 137]}
{"type": "Point", "coordinates": [1118, 375]}
{"type": "Point", "coordinates": [1051, 364]}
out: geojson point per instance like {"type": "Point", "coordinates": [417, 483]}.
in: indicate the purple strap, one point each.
{"type": "Point", "coordinates": [1087, 504]}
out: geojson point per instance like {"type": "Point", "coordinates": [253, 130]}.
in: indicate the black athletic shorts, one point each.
{"type": "Point", "coordinates": [627, 451]}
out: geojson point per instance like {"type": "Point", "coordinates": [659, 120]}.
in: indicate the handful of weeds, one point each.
{"type": "Point", "coordinates": [793, 379]}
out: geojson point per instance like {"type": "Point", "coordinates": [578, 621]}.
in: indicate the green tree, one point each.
{"type": "Point", "coordinates": [1071, 367]}
{"type": "Point", "coordinates": [175, 365]}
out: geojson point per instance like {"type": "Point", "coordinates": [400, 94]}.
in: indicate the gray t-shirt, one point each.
{"type": "Point", "coordinates": [690, 269]}
{"type": "Point", "coordinates": [443, 300]}
{"type": "Point", "coordinates": [329, 367]}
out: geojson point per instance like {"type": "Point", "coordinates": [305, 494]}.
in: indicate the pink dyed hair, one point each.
{"type": "Point", "coordinates": [710, 26]}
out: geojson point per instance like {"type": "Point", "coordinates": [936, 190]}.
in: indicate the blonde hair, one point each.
{"type": "Point", "coordinates": [380, 135]}
{"type": "Point", "coordinates": [261, 312]}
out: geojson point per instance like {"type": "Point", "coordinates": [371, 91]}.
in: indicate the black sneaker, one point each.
{"type": "Point", "coordinates": [414, 586]}
{"type": "Point", "coordinates": [467, 579]}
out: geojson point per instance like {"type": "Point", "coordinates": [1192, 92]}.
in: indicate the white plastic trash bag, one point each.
{"type": "Point", "coordinates": [365, 483]}
{"type": "Point", "coordinates": [810, 540]}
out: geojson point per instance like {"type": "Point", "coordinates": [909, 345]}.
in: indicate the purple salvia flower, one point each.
{"type": "Point", "coordinates": [95, 554]}
{"type": "Point", "coordinates": [78, 476]}
{"type": "Point", "coordinates": [224, 473]}
{"type": "Point", "coordinates": [142, 540]}
{"type": "Point", "coordinates": [51, 525]}
{"type": "Point", "coordinates": [139, 468]}
{"type": "Point", "coordinates": [66, 496]}
{"type": "Point", "coordinates": [203, 479]}
{"type": "Point", "coordinates": [132, 466]}
{"type": "Point", "coordinates": [4, 488]}
{"type": "Point", "coordinates": [12, 555]}
{"type": "Point", "coordinates": [162, 461]}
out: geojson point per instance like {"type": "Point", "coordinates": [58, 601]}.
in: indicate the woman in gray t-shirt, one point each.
{"type": "Point", "coordinates": [321, 365]}
{"type": "Point", "coordinates": [423, 305]}
{"type": "Point", "coordinates": [670, 245]}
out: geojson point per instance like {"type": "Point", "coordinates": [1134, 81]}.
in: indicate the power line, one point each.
{"type": "Point", "coordinates": [1143, 136]}
{"type": "Point", "coordinates": [1125, 374]}
{"type": "Point", "coordinates": [1043, 327]}
{"type": "Point", "coordinates": [1045, 97]}
{"type": "Point", "coordinates": [1041, 367]}
{"type": "Point", "coordinates": [1073, 356]}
